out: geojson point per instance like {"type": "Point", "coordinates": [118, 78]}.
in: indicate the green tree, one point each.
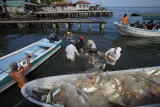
{"type": "Point", "coordinates": [50, 1]}
{"type": "Point", "coordinates": [47, 1]}
{"type": "Point", "coordinates": [34, 1]}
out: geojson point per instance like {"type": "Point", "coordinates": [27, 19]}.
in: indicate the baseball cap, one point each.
{"type": "Point", "coordinates": [12, 65]}
{"type": "Point", "coordinates": [81, 37]}
{"type": "Point", "coordinates": [118, 49]}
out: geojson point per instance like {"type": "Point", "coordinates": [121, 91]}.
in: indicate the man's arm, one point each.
{"type": "Point", "coordinates": [28, 64]}
{"type": "Point", "coordinates": [106, 54]}
{"type": "Point", "coordinates": [120, 19]}
{"type": "Point", "coordinates": [76, 51]}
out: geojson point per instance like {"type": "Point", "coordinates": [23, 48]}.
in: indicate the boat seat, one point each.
{"type": "Point", "coordinates": [30, 52]}
{"type": "Point", "coordinates": [47, 45]}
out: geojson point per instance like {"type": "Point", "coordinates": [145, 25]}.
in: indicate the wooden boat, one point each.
{"type": "Point", "coordinates": [40, 51]}
{"type": "Point", "coordinates": [121, 87]}
{"type": "Point", "coordinates": [133, 31]}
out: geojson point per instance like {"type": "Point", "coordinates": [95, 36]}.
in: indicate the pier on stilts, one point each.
{"type": "Point", "coordinates": [72, 14]}
{"type": "Point", "coordinates": [54, 23]}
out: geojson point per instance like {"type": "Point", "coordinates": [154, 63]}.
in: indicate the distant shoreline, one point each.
{"type": "Point", "coordinates": [132, 7]}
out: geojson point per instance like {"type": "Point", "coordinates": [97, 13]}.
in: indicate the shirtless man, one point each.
{"type": "Point", "coordinates": [17, 74]}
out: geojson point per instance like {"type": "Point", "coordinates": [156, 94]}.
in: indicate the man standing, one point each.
{"type": "Point", "coordinates": [80, 44]}
{"type": "Point", "coordinates": [111, 56]}
{"type": "Point", "coordinates": [71, 51]}
{"type": "Point", "coordinates": [124, 19]}
{"type": "Point", "coordinates": [17, 74]}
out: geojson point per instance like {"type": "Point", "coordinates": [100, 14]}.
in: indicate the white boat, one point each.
{"type": "Point", "coordinates": [133, 31]}
{"type": "Point", "coordinates": [125, 87]}
{"type": "Point", "coordinates": [40, 51]}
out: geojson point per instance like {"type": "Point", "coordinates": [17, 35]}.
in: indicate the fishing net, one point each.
{"type": "Point", "coordinates": [102, 89]}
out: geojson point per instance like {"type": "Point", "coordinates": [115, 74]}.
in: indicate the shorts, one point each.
{"type": "Point", "coordinates": [20, 86]}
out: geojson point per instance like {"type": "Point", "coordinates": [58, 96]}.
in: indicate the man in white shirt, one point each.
{"type": "Point", "coordinates": [71, 51]}
{"type": "Point", "coordinates": [111, 56]}
{"type": "Point", "coordinates": [91, 47]}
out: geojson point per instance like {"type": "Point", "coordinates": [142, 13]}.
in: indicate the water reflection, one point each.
{"type": "Point", "coordinates": [138, 45]}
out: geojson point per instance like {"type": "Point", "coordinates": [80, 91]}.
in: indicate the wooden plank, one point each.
{"type": "Point", "coordinates": [55, 21]}
{"type": "Point", "coordinates": [73, 12]}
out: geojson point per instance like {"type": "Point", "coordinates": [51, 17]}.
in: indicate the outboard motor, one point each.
{"type": "Point", "coordinates": [52, 37]}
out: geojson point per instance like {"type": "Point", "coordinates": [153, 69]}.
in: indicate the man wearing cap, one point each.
{"type": "Point", "coordinates": [71, 51]}
{"type": "Point", "coordinates": [91, 47]}
{"type": "Point", "coordinates": [17, 74]}
{"type": "Point", "coordinates": [80, 44]}
{"type": "Point", "coordinates": [111, 56]}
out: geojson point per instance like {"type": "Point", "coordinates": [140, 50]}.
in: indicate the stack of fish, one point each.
{"type": "Point", "coordinates": [49, 93]}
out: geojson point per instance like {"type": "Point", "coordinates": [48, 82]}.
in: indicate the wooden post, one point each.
{"type": "Point", "coordinates": [57, 25]}
{"type": "Point", "coordinates": [53, 26]}
{"type": "Point", "coordinates": [70, 25]}
{"type": "Point", "coordinates": [101, 26]}
{"type": "Point", "coordinates": [90, 26]}
{"type": "Point", "coordinates": [79, 25]}
{"type": "Point", "coordinates": [67, 26]}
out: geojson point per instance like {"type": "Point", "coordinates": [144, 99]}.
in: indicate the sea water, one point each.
{"type": "Point", "coordinates": [136, 52]}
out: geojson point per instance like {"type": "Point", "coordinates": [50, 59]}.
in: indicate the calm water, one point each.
{"type": "Point", "coordinates": [136, 52]}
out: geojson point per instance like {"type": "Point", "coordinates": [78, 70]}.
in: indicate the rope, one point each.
{"type": "Point", "coordinates": [20, 60]}
{"type": "Point", "coordinates": [21, 101]}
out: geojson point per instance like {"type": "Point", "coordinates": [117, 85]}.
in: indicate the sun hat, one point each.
{"type": "Point", "coordinates": [90, 42]}
{"type": "Point", "coordinates": [118, 49]}
{"type": "Point", "coordinates": [12, 65]}
{"type": "Point", "coordinates": [81, 37]}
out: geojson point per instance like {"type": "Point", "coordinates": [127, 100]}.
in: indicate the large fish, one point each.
{"type": "Point", "coordinates": [83, 95]}
{"type": "Point", "coordinates": [98, 79]}
{"type": "Point", "coordinates": [89, 90]}
{"type": "Point", "coordinates": [56, 92]}
{"type": "Point", "coordinates": [49, 98]}
{"type": "Point", "coordinates": [43, 98]}
{"type": "Point", "coordinates": [38, 92]}
{"type": "Point", "coordinates": [47, 89]}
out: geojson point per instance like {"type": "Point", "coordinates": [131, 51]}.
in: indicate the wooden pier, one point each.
{"type": "Point", "coordinates": [54, 23]}
{"type": "Point", "coordinates": [72, 14]}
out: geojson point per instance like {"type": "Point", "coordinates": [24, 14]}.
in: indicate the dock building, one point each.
{"type": "Point", "coordinates": [67, 6]}
{"type": "Point", "coordinates": [19, 6]}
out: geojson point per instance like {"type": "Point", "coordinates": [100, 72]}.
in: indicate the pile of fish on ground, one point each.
{"type": "Point", "coordinates": [98, 90]}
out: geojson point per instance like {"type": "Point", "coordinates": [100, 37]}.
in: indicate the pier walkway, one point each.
{"type": "Point", "coordinates": [55, 23]}
{"type": "Point", "coordinates": [71, 14]}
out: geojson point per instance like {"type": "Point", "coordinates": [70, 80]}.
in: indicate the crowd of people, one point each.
{"type": "Point", "coordinates": [73, 49]}
{"type": "Point", "coordinates": [111, 56]}
{"type": "Point", "coordinates": [149, 26]}
{"type": "Point", "coordinates": [79, 47]}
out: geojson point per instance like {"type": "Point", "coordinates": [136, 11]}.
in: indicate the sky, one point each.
{"type": "Point", "coordinates": [124, 3]}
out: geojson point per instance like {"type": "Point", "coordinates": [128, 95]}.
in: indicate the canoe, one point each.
{"type": "Point", "coordinates": [40, 51]}
{"type": "Point", "coordinates": [133, 87]}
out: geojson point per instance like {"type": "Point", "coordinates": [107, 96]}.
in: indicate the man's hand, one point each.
{"type": "Point", "coordinates": [78, 54]}
{"type": "Point", "coordinates": [28, 56]}
{"type": "Point", "coordinates": [105, 57]}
